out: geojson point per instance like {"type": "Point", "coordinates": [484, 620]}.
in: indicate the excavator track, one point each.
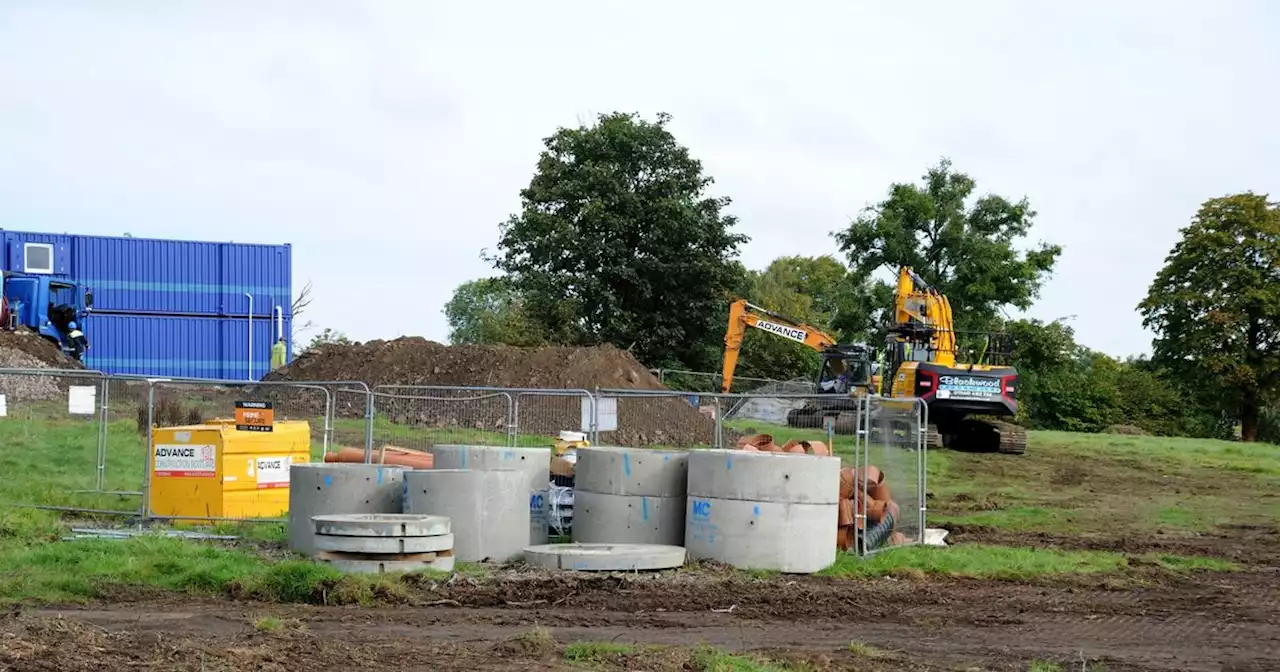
{"type": "Point", "coordinates": [985, 436]}
{"type": "Point", "coordinates": [933, 437]}
{"type": "Point", "coordinates": [1013, 438]}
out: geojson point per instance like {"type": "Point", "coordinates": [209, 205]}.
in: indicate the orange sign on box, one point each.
{"type": "Point", "coordinates": [255, 416]}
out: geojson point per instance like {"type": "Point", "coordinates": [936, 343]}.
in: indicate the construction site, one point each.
{"type": "Point", "coordinates": [560, 508]}
{"type": "Point", "coordinates": [621, 337]}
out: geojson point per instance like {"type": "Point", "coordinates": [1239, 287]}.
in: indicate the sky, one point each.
{"type": "Point", "coordinates": [387, 140]}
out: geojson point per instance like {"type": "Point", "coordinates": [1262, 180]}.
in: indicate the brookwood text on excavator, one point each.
{"type": "Point", "coordinates": [922, 362]}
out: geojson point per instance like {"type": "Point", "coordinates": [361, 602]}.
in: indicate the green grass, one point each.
{"type": "Point", "coordinates": [715, 660]}
{"type": "Point", "coordinates": [40, 570]}
{"type": "Point", "coordinates": [864, 650]}
{"type": "Point", "coordinates": [1066, 483]}
{"type": "Point", "coordinates": [978, 561]}
{"type": "Point", "coordinates": [598, 652]}
{"type": "Point", "coordinates": [268, 624]}
{"type": "Point", "coordinates": [1109, 485]}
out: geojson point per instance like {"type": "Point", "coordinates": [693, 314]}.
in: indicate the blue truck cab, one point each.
{"type": "Point", "coordinates": [47, 306]}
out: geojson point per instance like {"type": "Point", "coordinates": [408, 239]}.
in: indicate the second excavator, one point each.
{"type": "Point", "coordinates": [846, 372]}
{"type": "Point", "coordinates": [922, 363]}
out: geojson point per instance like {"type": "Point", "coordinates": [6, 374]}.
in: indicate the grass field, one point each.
{"type": "Point", "coordinates": [1066, 484]}
{"type": "Point", "coordinates": [1120, 512]}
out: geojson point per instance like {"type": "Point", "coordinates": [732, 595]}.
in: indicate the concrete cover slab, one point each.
{"type": "Point", "coordinates": [398, 545]}
{"type": "Point", "coordinates": [323, 488]}
{"type": "Point", "coordinates": [381, 525]}
{"type": "Point", "coordinates": [357, 566]}
{"type": "Point", "coordinates": [605, 557]}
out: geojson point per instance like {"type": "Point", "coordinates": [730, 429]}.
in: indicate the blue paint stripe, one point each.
{"type": "Point", "coordinates": [183, 287]}
{"type": "Point", "coordinates": [156, 364]}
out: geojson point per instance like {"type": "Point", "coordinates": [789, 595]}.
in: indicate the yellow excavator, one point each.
{"type": "Point", "coordinates": [921, 362]}
{"type": "Point", "coordinates": [845, 374]}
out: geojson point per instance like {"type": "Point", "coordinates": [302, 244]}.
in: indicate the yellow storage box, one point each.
{"type": "Point", "coordinates": [216, 471]}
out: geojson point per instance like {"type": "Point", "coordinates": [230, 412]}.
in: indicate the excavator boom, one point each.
{"type": "Point", "coordinates": [743, 314]}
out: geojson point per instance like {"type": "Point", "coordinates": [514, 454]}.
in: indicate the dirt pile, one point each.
{"type": "Point", "coordinates": [25, 349]}
{"type": "Point", "coordinates": [670, 421]}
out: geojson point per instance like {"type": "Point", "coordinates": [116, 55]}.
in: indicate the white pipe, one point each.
{"type": "Point", "coordinates": [250, 359]}
{"type": "Point", "coordinates": [279, 322]}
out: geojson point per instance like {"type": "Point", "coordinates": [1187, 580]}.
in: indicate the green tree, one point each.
{"type": "Point", "coordinates": [1215, 306]}
{"type": "Point", "coordinates": [963, 247]}
{"type": "Point", "coordinates": [327, 337]}
{"type": "Point", "coordinates": [490, 311]}
{"type": "Point", "coordinates": [805, 289]}
{"type": "Point", "coordinates": [617, 242]}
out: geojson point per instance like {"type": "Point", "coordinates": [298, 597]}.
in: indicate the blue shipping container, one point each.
{"type": "Point", "coordinates": [187, 347]}
{"type": "Point", "coordinates": [173, 277]}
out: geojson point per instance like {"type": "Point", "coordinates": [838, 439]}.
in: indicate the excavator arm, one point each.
{"type": "Point", "coordinates": [743, 314]}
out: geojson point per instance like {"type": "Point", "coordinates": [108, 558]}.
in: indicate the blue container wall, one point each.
{"type": "Point", "coordinates": [137, 275]}
{"type": "Point", "coordinates": [188, 347]}
{"type": "Point", "coordinates": [175, 277]}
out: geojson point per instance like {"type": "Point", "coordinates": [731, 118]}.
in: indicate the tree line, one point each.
{"type": "Point", "coordinates": [619, 241]}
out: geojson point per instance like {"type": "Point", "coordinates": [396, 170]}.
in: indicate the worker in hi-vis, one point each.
{"type": "Point", "coordinates": [277, 354]}
{"type": "Point", "coordinates": [78, 341]}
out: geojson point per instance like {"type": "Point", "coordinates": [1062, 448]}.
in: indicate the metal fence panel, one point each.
{"type": "Point", "coordinates": [64, 448]}
{"type": "Point", "coordinates": [658, 419]}
{"type": "Point", "coordinates": [891, 441]}
{"type": "Point", "coordinates": [540, 415]}
{"type": "Point", "coordinates": [419, 417]}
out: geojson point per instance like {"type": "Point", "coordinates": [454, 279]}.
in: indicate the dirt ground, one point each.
{"type": "Point", "coordinates": [1158, 622]}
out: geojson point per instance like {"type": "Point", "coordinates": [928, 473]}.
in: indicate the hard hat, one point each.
{"type": "Point", "coordinates": [72, 325]}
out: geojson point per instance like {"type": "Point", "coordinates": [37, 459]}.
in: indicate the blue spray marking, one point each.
{"type": "Point", "coordinates": [626, 464]}
{"type": "Point", "coordinates": [701, 508]}
{"type": "Point", "coordinates": [755, 510]}
{"type": "Point", "coordinates": [379, 475]}
{"type": "Point", "coordinates": [728, 464]}
{"type": "Point", "coordinates": [328, 480]}
{"type": "Point", "coordinates": [666, 458]}
{"type": "Point", "coordinates": [464, 458]}
{"type": "Point", "coordinates": [644, 508]}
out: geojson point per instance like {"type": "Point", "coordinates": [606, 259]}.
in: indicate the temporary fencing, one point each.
{"type": "Point", "coordinates": [418, 417]}
{"type": "Point", "coordinates": [889, 473]}
{"type": "Point", "coordinates": [81, 440]}
{"type": "Point", "coordinates": [61, 450]}
{"type": "Point", "coordinates": [699, 381]}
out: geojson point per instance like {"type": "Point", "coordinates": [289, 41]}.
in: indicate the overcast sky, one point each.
{"type": "Point", "coordinates": [387, 140]}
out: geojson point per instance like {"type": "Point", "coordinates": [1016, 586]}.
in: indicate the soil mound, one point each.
{"type": "Point", "coordinates": [670, 421]}
{"type": "Point", "coordinates": [25, 349]}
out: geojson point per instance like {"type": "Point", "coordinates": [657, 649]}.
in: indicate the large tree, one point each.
{"type": "Point", "coordinates": [964, 247]}
{"type": "Point", "coordinates": [490, 311]}
{"type": "Point", "coordinates": [618, 242]}
{"type": "Point", "coordinates": [1215, 306]}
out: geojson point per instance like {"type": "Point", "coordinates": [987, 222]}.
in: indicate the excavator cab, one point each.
{"type": "Point", "coordinates": [846, 369]}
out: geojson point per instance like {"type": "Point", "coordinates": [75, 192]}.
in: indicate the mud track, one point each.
{"type": "Point", "coordinates": [1202, 622]}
